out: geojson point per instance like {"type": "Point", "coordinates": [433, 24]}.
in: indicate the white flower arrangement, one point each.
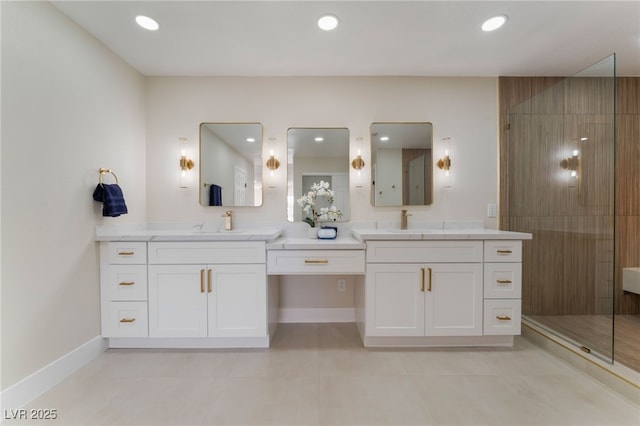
{"type": "Point", "coordinates": [309, 203]}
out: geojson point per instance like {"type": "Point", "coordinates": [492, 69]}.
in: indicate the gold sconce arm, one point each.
{"type": "Point", "coordinates": [444, 163]}
{"type": "Point", "coordinates": [186, 163]}
{"type": "Point", "coordinates": [358, 163]}
{"type": "Point", "coordinates": [273, 163]}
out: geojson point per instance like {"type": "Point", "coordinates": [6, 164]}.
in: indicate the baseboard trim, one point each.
{"type": "Point", "coordinates": [31, 387]}
{"type": "Point", "coordinates": [301, 315]}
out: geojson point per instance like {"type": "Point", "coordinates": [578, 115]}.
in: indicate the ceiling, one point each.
{"type": "Point", "coordinates": [374, 38]}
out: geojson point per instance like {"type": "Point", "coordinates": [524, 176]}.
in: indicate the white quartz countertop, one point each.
{"type": "Point", "coordinates": [316, 244]}
{"type": "Point", "coordinates": [439, 234]}
{"type": "Point", "coordinates": [142, 233]}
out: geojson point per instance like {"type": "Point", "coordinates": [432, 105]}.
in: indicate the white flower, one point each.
{"type": "Point", "coordinates": [308, 202]}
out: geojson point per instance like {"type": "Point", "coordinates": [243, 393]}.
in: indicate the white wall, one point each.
{"type": "Point", "coordinates": [464, 109]}
{"type": "Point", "coordinates": [69, 106]}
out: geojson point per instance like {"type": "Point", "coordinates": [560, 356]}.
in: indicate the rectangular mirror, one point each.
{"type": "Point", "coordinates": [402, 164]}
{"type": "Point", "coordinates": [314, 155]}
{"type": "Point", "coordinates": [231, 164]}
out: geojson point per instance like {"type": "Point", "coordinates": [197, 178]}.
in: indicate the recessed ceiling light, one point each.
{"type": "Point", "coordinates": [251, 140]}
{"type": "Point", "coordinates": [318, 139]}
{"type": "Point", "coordinates": [494, 23]}
{"type": "Point", "coordinates": [384, 138]}
{"type": "Point", "coordinates": [147, 23]}
{"type": "Point", "coordinates": [328, 22]}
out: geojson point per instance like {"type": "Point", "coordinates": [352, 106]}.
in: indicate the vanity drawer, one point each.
{"type": "Point", "coordinates": [228, 252]}
{"type": "Point", "coordinates": [127, 282]}
{"type": "Point", "coordinates": [502, 251]}
{"type": "Point", "coordinates": [127, 319]}
{"type": "Point", "coordinates": [424, 251]}
{"type": "Point", "coordinates": [502, 280]}
{"type": "Point", "coordinates": [124, 252]}
{"type": "Point", "coordinates": [502, 317]}
{"type": "Point", "coordinates": [315, 262]}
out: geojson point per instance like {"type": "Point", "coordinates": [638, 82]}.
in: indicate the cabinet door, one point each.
{"type": "Point", "coordinates": [237, 300]}
{"type": "Point", "coordinates": [177, 301]}
{"type": "Point", "coordinates": [453, 303]}
{"type": "Point", "coordinates": [394, 300]}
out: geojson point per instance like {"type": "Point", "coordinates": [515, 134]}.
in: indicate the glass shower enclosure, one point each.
{"type": "Point", "coordinates": [559, 170]}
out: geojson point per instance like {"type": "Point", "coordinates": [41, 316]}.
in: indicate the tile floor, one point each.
{"type": "Point", "coordinates": [319, 374]}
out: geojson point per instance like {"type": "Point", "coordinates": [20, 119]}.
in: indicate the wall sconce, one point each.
{"type": "Point", "coordinates": [272, 164]}
{"type": "Point", "coordinates": [186, 164]}
{"type": "Point", "coordinates": [445, 163]}
{"type": "Point", "coordinates": [572, 164]}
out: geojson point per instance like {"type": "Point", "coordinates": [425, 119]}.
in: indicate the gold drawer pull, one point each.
{"type": "Point", "coordinates": [209, 279]}
{"type": "Point", "coordinates": [422, 286]}
{"type": "Point", "coordinates": [503, 281]}
{"type": "Point", "coordinates": [504, 251]}
{"type": "Point", "coordinates": [201, 280]}
{"type": "Point", "coordinates": [430, 278]}
{"type": "Point", "coordinates": [504, 318]}
{"type": "Point", "coordinates": [316, 261]}
{"type": "Point", "coordinates": [126, 253]}
{"type": "Point", "coordinates": [127, 320]}
{"type": "Point", "coordinates": [127, 283]}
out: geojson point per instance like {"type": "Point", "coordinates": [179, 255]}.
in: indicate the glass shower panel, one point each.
{"type": "Point", "coordinates": [560, 187]}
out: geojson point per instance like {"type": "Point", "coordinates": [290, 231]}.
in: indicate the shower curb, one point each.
{"type": "Point", "coordinates": [620, 379]}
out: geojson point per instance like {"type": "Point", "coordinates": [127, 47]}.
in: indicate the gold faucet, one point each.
{"type": "Point", "coordinates": [403, 219]}
{"type": "Point", "coordinates": [227, 220]}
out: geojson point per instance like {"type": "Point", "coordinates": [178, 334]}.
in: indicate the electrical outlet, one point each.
{"type": "Point", "coordinates": [492, 210]}
{"type": "Point", "coordinates": [342, 286]}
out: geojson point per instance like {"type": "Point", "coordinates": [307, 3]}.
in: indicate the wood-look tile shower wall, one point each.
{"type": "Point", "coordinates": [568, 266]}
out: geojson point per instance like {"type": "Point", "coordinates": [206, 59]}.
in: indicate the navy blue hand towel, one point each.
{"type": "Point", "coordinates": [215, 195]}
{"type": "Point", "coordinates": [112, 199]}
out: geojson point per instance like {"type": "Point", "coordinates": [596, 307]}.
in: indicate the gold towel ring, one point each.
{"type": "Point", "coordinates": [103, 171]}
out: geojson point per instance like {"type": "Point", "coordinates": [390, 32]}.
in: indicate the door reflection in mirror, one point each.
{"type": "Point", "coordinates": [402, 158]}
{"type": "Point", "coordinates": [231, 164]}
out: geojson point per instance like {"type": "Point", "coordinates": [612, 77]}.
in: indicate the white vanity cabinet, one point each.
{"type": "Point", "coordinates": [123, 277]}
{"type": "Point", "coordinates": [207, 289]}
{"type": "Point", "coordinates": [440, 296]}
{"type": "Point", "coordinates": [502, 287]}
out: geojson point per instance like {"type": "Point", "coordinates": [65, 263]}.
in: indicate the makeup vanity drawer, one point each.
{"type": "Point", "coordinates": [127, 319]}
{"type": "Point", "coordinates": [315, 262]}
{"type": "Point", "coordinates": [127, 253]}
{"type": "Point", "coordinates": [127, 282]}
{"type": "Point", "coordinates": [502, 317]}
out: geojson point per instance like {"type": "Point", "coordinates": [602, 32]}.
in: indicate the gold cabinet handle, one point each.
{"type": "Point", "coordinates": [201, 280]}
{"type": "Point", "coordinates": [311, 261]}
{"type": "Point", "coordinates": [503, 281]}
{"type": "Point", "coordinates": [127, 320]}
{"type": "Point", "coordinates": [504, 251]}
{"type": "Point", "coordinates": [209, 280]}
{"type": "Point", "coordinates": [127, 283]}
{"type": "Point", "coordinates": [126, 253]}
{"type": "Point", "coordinates": [422, 286]}
{"type": "Point", "coordinates": [430, 278]}
{"type": "Point", "coordinates": [504, 318]}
